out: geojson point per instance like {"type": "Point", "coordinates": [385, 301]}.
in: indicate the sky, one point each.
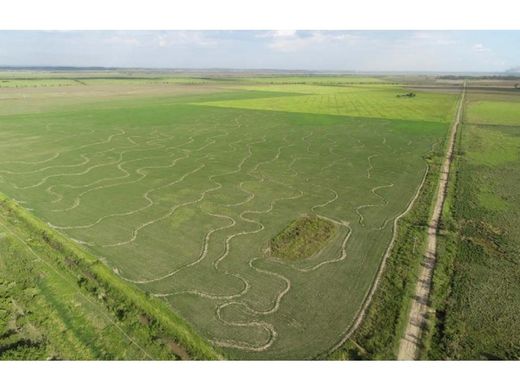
{"type": "Point", "coordinates": [362, 51]}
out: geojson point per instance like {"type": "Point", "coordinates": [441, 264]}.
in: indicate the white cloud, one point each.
{"type": "Point", "coordinates": [480, 48]}
{"type": "Point", "coordinates": [290, 40]}
{"type": "Point", "coordinates": [161, 38]}
{"type": "Point", "coordinates": [123, 39]}
{"type": "Point", "coordinates": [185, 38]}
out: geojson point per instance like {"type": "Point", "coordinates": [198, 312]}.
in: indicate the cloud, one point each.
{"type": "Point", "coordinates": [290, 40]}
{"type": "Point", "coordinates": [480, 48]}
{"type": "Point", "coordinates": [161, 38]}
{"type": "Point", "coordinates": [123, 39]}
{"type": "Point", "coordinates": [436, 38]}
{"type": "Point", "coordinates": [185, 38]}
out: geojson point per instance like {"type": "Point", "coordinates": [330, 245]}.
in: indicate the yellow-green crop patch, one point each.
{"type": "Point", "coordinates": [369, 102]}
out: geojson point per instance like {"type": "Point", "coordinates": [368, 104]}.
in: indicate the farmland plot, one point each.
{"type": "Point", "coordinates": [183, 200]}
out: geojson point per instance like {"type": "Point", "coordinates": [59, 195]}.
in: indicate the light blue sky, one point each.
{"type": "Point", "coordinates": [477, 51]}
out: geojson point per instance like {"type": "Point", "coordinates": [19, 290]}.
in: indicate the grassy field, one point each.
{"type": "Point", "coordinates": [476, 291]}
{"type": "Point", "coordinates": [181, 191]}
{"type": "Point", "coordinates": [354, 101]}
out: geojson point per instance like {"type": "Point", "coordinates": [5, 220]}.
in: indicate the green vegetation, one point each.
{"type": "Point", "coordinates": [380, 332]}
{"type": "Point", "coordinates": [494, 112]}
{"type": "Point", "coordinates": [176, 197]}
{"type": "Point", "coordinates": [302, 238]}
{"type": "Point", "coordinates": [358, 101]}
{"type": "Point", "coordinates": [476, 291]}
{"type": "Point", "coordinates": [58, 302]}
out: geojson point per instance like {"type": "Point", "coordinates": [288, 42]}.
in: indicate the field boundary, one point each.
{"type": "Point", "coordinates": [172, 324]}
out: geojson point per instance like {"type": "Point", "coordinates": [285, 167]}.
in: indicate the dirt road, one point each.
{"type": "Point", "coordinates": [409, 346]}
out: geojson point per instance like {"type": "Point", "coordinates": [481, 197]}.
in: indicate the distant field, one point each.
{"type": "Point", "coordinates": [495, 112]}
{"type": "Point", "coordinates": [370, 102]}
{"type": "Point", "coordinates": [181, 195]}
{"type": "Point", "coordinates": [312, 80]}
{"type": "Point", "coordinates": [34, 83]}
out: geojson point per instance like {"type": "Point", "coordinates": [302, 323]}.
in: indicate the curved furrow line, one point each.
{"type": "Point", "coordinates": [261, 179]}
{"type": "Point", "coordinates": [44, 180]}
{"type": "Point", "coordinates": [147, 198]}
{"type": "Point", "coordinates": [213, 141]}
{"type": "Point", "coordinates": [260, 228]}
{"type": "Point", "coordinates": [370, 166]}
{"type": "Point", "coordinates": [373, 190]}
{"type": "Point", "coordinates": [119, 167]}
{"type": "Point", "coordinates": [128, 213]}
{"type": "Point", "coordinates": [126, 174]}
{"type": "Point", "coordinates": [205, 247]}
{"type": "Point", "coordinates": [227, 250]}
{"type": "Point", "coordinates": [326, 203]}
{"type": "Point", "coordinates": [57, 154]}
{"type": "Point", "coordinates": [54, 157]}
{"type": "Point", "coordinates": [243, 345]}
{"type": "Point", "coordinates": [86, 160]}
{"type": "Point", "coordinates": [202, 255]}
{"type": "Point", "coordinates": [278, 299]}
{"type": "Point", "coordinates": [268, 210]}
{"type": "Point", "coordinates": [216, 297]}
{"type": "Point", "coordinates": [161, 218]}
{"type": "Point", "coordinates": [251, 195]}
{"type": "Point", "coordinates": [76, 203]}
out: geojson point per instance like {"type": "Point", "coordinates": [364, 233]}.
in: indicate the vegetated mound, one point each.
{"type": "Point", "coordinates": [302, 238]}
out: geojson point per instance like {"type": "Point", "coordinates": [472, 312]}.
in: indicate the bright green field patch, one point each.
{"type": "Point", "coordinates": [311, 89]}
{"type": "Point", "coordinates": [356, 101]}
{"type": "Point", "coordinates": [302, 238]}
{"type": "Point", "coordinates": [491, 146]}
{"type": "Point", "coordinates": [494, 112]}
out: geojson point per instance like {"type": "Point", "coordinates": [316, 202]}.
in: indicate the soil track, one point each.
{"type": "Point", "coordinates": [410, 343]}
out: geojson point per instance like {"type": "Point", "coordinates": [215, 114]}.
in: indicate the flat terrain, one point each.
{"type": "Point", "coordinates": [411, 343]}
{"type": "Point", "coordinates": [179, 188]}
{"type": "Point", "coordinates": [51, 310]}
{"type": "Point", "coordinates": [477, 295]}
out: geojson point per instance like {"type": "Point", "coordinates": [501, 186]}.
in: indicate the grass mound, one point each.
{"type": "Point", "coordinates": [302, 238]}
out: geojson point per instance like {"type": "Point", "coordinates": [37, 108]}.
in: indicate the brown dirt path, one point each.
{"type": "Point", "coordinates": [410, 343]}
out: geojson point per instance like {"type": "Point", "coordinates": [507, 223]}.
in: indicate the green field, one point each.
{"type": "Point", "coordinates": [476, 291]}
{"type": "Point", "coordinates": [180, 193]}
{"type": "Point", "coordinates": [357, 101]}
